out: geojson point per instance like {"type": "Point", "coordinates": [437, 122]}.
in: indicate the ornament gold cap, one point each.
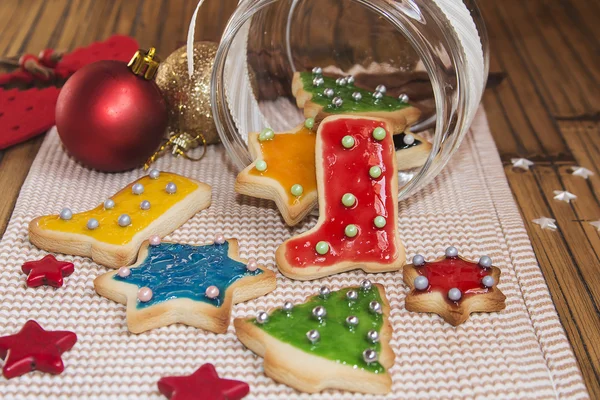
{"type": "Point", "coordinates": [144, 63]}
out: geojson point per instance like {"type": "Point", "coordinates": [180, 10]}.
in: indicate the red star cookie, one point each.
{"type": "Point", "coordinates": [33, 348]}
{"type": "Point", "coordinates": [47, 271]}
{"type": "Point", "coordinates": [203, 384]}
{"type": "Point", "coordinates": [453, 287]}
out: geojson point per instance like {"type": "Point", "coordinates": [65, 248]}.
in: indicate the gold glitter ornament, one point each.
{"type": "Point", "coordinates": [188, 98]}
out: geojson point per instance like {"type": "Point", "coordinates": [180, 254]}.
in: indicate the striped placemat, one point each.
{"type": "Point", "coordinates": [519, 353]}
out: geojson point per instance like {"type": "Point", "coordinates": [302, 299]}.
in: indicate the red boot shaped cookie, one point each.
{"type": "Point", "coordinates": [453, 287]}
{"type": "Point", "coordinates": [358, 203]}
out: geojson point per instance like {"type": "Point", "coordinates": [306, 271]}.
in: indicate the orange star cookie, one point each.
{"type": "Point", "coordinates": [453, 287]}
{"type": "Point", "coordinates": [283, 170]}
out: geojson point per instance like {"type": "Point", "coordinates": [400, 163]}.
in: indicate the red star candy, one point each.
{"type": "Point", "coordinates": [47, 271]}
{"type": "Point", "coordinates": [203, 384]}
{"type": "Point", "coordinates": [33, 348]}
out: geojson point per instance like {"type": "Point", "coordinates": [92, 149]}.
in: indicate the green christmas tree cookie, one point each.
{"type": "Point", "coordinates": [335, 340]}
{"type": "Point", "coordinates": [321, 96]}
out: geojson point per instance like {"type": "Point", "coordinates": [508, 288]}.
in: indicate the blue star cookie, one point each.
{"type": "Point", "coordinates": [181, 283]}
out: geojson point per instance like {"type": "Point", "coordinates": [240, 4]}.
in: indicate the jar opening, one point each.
{"type": "Point", "coordinates": [406, 47]}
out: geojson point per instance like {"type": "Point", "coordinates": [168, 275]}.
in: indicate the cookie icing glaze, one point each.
{"type": "Point", "coordinates": [454, 272]}
{"type": "Point", "coordinates": [366, 102]}
{"type": "Point", "coordinates": [290, 160]}
{"type": "Point", "coordinates": [346, 177]}
{"type": "Point", "coordinates": [124, 203]}
{"type": "Point", "coordinates": [173, 271]}
{"type": "Point", "coordinates": [337, 341]}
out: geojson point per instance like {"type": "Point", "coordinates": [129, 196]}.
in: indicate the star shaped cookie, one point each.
{"type": "Point", "coordinates": [47, 271]}
{"type": "Point", "coordinates": [453, 287]}
{"type": "Point", "coordinates": [204, 384]}
{"type": "Point", "coordinates": [283, 171]}
{"type": "Point", "coordinates": [34, 348]}
{"type": "Point", "coordinates": [182, 283]}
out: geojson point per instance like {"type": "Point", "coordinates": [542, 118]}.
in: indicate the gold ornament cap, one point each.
{"type": "Point", "coordinates": [144, 63]}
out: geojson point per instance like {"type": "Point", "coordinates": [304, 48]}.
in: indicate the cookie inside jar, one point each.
{"type": "Point", "coordinates": [282, 62]}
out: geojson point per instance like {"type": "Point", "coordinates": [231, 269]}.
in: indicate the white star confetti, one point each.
{"type": "Point", "coordinates": [522, 163]}
{"type": "Point", "coordinates": [563, 195]}
{"type": "Point", "coordinates": [596, 224]}
{"type": "Point", "coordinates": [546, 223]}
{"type": "Point", "coordinates": [582, 172]}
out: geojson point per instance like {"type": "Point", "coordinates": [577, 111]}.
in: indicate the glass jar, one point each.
{"type": "Point", "coordinates": [435, 51]}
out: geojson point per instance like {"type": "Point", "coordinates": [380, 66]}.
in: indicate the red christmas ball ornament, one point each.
{"type": "Point", "coordinates": [110, 115]}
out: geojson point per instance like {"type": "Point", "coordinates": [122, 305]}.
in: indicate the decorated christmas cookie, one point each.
{"type": "Point", "coordinates": [358, 203]}
{"type": "Point", "coordinates": [412, 150]}
{"type": "Point", "coordinates": [283, 171]}
{"type": "Point", "coordinates": [321, 96]}
{"type": "Point", "coordinates": [453, 287]}
{"type": "Point", "coordinates": [47, 271]}
{"type": "Point", "coordinates": [336, 340]}
{"type": "Point", "coordinates": [182, 283]}
{"type": "Point", "coordinates": [34, 348]}
{"type": "Point", "coordinates": [204, 384]}
{"type": "Point", "coordinates": [112, 233]}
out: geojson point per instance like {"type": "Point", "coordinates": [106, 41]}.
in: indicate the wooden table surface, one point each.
{"type": "Point", "coordinates": [546, 108]}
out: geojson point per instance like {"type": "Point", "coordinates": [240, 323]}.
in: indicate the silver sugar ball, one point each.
{"type": "Point", "coordinates": [324, 292]}
{"type": "Point", "coordinates": [488, 281]}
{"type": "Point", "coordinates": [337, 101]}
{"type": "Point", "coordinates": [381, 89]}
{"type": "Point", "coordinates": [154, 174]}
{"type": "Point", "coordinates": [262, 317]}
{"type": "Point", "coordinates": [319, 312]}
{"type": "Point", "coordinates": [418, 260]}
{"type": "Point", "coordinates": [375, 307]}
{"type": "Point", "coordinates": [351, 295]}
{"type": "Point", "coordinates": [341, 82]}
{"type": "Point", "coordinates": [137, 188]}
{"type": "Point", "coordinates": [352, 321]}
{"type": "Point", "coordinates": [313, 336]}
{"type": "Point", "coordinates": [328, 92]}
{"type": "Point", "coordinates": [109, 204]}
{"type": "Point", "coordinates": [408, 139]}
{"type": "Point", "coordinates": [403, 98]}
{"type": "Point", "coordinates": [366, 284]}
{"type": "Point", "coordinates": [378, 95]}
{"type": "Point", "coordinates": [171, 188]}
{"type": "Point", "coordinates": [370, 356]}
{"type": "Point", "coordinates": [317, 70]}
{"type": "Point", "coordinates": [288, 306]}
{"type": "Point", "coordinates": [421, 282]}
{"type": "Point", "coordinates": [66, 214]}
{"type": "Point", "coordinates": [356, 96]}
{"type": "Point", "coordinates": [145, 205]}
{"type": "Point", "coordinates": [124, 220]}
{"type": "Point", "coordinates": [485, 261]}
{"type": "Point", "coordinates": [350, 80]}
{"type": "Point", "coordinates": [92, 224]}
{"type": "Point", "coordinates": [318, 81]}
{"type": "Point", "coordinates": [373, 336]}
{"type": "Point", "coordinates": [451, 251]}
{"type": "Point", "coordinates": [454, 294]}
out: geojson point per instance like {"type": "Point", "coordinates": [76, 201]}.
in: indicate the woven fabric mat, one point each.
{"type": "Point", "coordinates": [519, 353]}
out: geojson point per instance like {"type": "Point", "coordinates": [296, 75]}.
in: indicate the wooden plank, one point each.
{"type": "Point", "coordinates": [583, 138]}
{"type": "Point", "coordinates": [570, 292]}
{"type": "Point", "coordinates": [578, 52]}
{"type": "Point", "coordinates": [14, 167]}
{"type": "Point", "coordinates": [526, 108]}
